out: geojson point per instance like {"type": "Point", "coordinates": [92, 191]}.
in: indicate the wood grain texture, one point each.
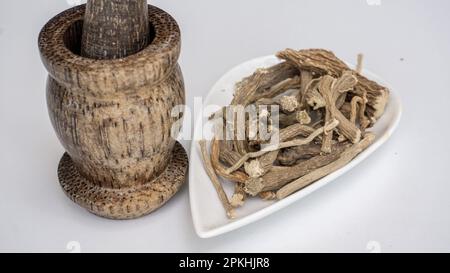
{"type": "Point", "coordinates": [114, 28]}
{"type": "Point", "coordinates": [113, 117]}
{"type": "Point", "coordinates": [125, 203]}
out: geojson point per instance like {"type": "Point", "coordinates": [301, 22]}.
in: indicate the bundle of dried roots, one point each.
{"type": "Point", "coordinates": [325, 110]}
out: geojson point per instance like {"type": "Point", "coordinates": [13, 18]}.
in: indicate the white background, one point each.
{"type": "Point", "coordinates": [399, 197]}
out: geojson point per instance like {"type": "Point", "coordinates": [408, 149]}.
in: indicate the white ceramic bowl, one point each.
{"type": "Point", "coordinates": [207, 212]}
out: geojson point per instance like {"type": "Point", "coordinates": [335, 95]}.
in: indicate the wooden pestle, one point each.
{"type": "Point", "coordinates": [114, 28]}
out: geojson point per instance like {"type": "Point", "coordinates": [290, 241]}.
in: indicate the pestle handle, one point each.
{"type": "Point", "coordinates": [114, 28]}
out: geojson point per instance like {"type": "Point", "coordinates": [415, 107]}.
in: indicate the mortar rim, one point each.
{"type": "Point", "coordinates": [148, 66]}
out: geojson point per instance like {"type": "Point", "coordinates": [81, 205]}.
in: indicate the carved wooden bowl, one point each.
{"type": "Point", "coordinates": [114, 119]}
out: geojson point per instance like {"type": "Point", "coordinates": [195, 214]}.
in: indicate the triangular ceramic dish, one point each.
{"type": "Point", "coordinates": [207, 212]}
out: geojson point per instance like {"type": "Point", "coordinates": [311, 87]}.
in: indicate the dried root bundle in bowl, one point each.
{"type": "Point", "coordinates": [323, 110]}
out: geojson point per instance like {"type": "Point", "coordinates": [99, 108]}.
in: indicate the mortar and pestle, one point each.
{"type": "Point", "coordinates": [113, 82]}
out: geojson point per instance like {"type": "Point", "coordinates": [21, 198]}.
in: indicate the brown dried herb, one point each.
{"type": "Point", "coordinates": [325, 109]}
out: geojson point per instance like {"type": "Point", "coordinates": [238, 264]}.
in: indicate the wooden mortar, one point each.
{"type": "Point", "coordinates": [110, 104]}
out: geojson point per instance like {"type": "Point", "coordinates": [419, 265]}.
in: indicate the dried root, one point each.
{"type": "Point", "coordinates": [324, 62]}
{"type": "Point", "coordinates": [215, 180]}
{"type": "Point", "coordinates": [344, 158]}
{"type": "Point", "coordinates": [239, 196]}
{"type": "Point", "coordinates": [325, 109]}
{"type": "Point", "coordinates": [292, 143]}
